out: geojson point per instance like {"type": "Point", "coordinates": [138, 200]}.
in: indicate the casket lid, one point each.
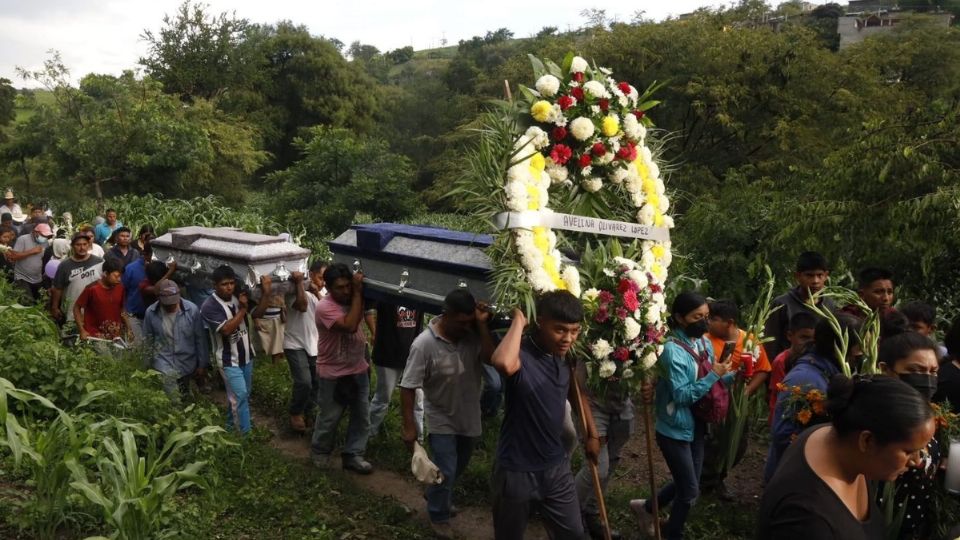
{"type": "Point", "coordinates": [230, 243]}
{"type": "Point", "coordinates": [415, 244]}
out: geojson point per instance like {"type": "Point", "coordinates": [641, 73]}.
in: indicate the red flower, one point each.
{"type": "Point", "coordinates": [639, 114]}
{"type": "Point", "coordinates": [627, 152]}
{"type": "Point", "coordinates": [630, 301]}
{"type": "Point", "coordinates": [605, 297]}
{"type": "Point", "coordinates": [624, 87]}
{"type": "Point", "coordinates": [585, 161]}
{"type": "Point", "coordinates": [598, 149]}
{"type": "Point", "coordinates": [604, 105]}
{"type": "Point", "coordinates": [578, 76]}
{"type": "Point", "coordinates": [577, 93]}
{"type": "Point", "coordinates": [565, 102]}
{"type": "Point", "coordinates": [622, 354]}
{"type": "Point", "coordinates": [627, 285]}
{"type": "Point", "coordinates": [654, 288]}
{"type": "Point", "coordinates": [559, 134]}
{"type": "Point", "coordinates": [621, 314]}
{"type": "Point", "coordinates": [602, 315]}
{"type": "Point", "coordinates": [560, 153]}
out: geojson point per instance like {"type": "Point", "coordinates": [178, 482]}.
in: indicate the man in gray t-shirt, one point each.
{"type": "Point", "coordinates": [27, 256]}
{"type": "Point", "coordinates": [446, 361]}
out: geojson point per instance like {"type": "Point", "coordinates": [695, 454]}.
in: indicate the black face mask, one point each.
{"type": "Point", "coordinates": [697, 329]}
{"type": "Point", "coordinates": [924, 383]}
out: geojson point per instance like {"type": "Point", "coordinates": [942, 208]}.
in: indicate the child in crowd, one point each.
{"type": "Point", "coordinates": [923, 320]}
{"type": "Point", "coordinates": [800, 334]}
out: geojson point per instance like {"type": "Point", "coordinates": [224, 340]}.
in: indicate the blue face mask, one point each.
{"type": "Point", "coordinates": [42, 240]}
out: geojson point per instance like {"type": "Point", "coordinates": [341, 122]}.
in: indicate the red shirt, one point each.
{"type": "Point", "coordinates": [776, 377]}
{"type": "Point", "coordinates": [101, 310]}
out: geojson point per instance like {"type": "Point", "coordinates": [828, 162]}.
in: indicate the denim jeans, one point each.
{"type": "Point", "coordinates": [331, 412]}
{"type": "Point", "coordinates": [685, 461]}
{"type": "Point", "coordinates": [617, 431]}
{"type": "Point", "coordinates": [239, 383]}
{"type": "Point", "coordinates": [451, 454]}
{"type": "Point", "coordinates": [387, 379]}
{"type": "Point", "coordinates": [492, 391]}
{"type": "Point", "coordinates": [303, 371]}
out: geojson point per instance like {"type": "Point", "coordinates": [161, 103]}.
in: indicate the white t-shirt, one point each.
{"type": "Point", "coordinates": [301, 332]}
{"type": "Point", "coordinates": [96, 250]}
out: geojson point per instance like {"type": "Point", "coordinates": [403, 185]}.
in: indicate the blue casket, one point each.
{"type": "Point", "coordinates": [413, 265]}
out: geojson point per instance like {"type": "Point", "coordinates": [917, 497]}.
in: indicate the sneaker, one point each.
{"type": "Point", "coordinates": [320, 461]}
{"type": "Point", "coordinates": [639, 509]}
{"type": "Point", "coordinates": [357, 464]}
{"type": "Point", "coordinates": [595, 528]}
{"type": "Point", "coordinates": [297, 423]}
{"type": "Point", "coordinates": [725, 493]}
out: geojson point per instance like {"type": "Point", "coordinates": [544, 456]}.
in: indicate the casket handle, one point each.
{"type": "Point", "coordinates": [404, 279]}
{"type": "Point", "coordinates": [281, 272]}
{"type": "Point", "coordinates": [357, 267]}
{"type": "Point", "coordinates": [196, 266]}
{"type": "Point", "coordinates": [462, 284]}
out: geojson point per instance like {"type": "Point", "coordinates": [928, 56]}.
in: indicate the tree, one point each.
{"type": "Point", "coordinates": [339, 175]}
{"type": "Point", "coordinates": [362, 52]}
{"type": "Point", "coordinates": [196, 55]}
{"type": "Point", "coordinates": [7, 98]}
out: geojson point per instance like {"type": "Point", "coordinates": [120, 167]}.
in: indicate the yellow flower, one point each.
{"type": "Point", "coordinates": [658, 251]}
{"type": "Point", "coordinates": [610, 126]}
{"type": "Point", "coordinates": [537, 163]}
{"type": "Point", "coordinates": [533, 197]}
{"type": "Point", "coordinates": [541, 110]}
{"type": "Point", "coordinates": [658, 219]}
{"type": "Point", "coordinates": [642, 169]}
{"type": "Point", "coordinates": [540, 239]}
{"type": "Point", "coordinates": [649, 186]}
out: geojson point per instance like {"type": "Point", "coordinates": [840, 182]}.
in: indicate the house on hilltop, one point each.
{"type": "Point", "coordinates": [874, 18]}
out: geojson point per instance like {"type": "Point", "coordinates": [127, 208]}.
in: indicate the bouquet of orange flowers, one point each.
{"type": "Point", "coordinates": [804, 406]}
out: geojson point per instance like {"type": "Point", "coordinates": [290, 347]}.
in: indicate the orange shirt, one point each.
{"type": "Point", "coordinates": [762, 363]}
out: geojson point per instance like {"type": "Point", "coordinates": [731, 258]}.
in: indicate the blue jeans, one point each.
{"type": "Point", "coordinates": [331, 412]}
{"type": "Point", "coordinates": [685, 461]}
{"type": "Point", "coordinates": [239, 383]}
{"type": "Point", "coordinates": [303, 371]}
{"type": "Point", "coordinates": [492, 391]}
{"type": "Point", "coordinates": [387, 379]}
{"type": "Point", "coordinates": [451, 454]}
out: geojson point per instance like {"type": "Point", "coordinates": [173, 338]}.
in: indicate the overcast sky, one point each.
{"type": "Point", "coordinates": [103, 36]}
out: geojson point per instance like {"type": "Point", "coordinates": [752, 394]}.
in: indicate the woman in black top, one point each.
{"type": "Point", "coordinates": [879, 427]}
{"type": "Point", "coordinates": [948, 388]}
{"type": "Point", "coordinates": [912, 358]}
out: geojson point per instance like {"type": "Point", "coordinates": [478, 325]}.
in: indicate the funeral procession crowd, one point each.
{"type": "Point", "coordinates": [347, 354]}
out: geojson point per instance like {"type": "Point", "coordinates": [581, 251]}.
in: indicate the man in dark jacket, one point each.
{"type": "Point", "coordinates": [811, 275]}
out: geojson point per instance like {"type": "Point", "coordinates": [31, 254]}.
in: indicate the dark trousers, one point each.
{"type": "Point", "coordinates": [451, 454]}
{"type": "Point", "coordinates": [685, 461]}
{"type": "Point", "coordinates": [551, 491]}
{"type": "Point", "coordinates": [303, 371]}
{"type": "Point", "coordinates": [29, 292]}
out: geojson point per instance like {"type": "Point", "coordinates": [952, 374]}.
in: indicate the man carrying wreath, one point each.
{"type": "Point", "coordinates": [532, 468]}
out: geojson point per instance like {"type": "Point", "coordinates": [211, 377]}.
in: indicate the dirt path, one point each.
{"type": "Point", "coordinates": [472, 523]}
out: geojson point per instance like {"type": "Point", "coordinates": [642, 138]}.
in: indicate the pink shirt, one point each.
{"type": "Point", "coordinates": [338, 353]}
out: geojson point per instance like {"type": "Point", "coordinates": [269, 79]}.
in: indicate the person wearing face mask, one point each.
{"type": "Point", "coordinates": [812, 371]}
{"type": "Point", "coordinates": [680, 431]}
{"type": "Point", "coordinates": [912, 358]}
{"type": "Point", "coordinates": [879, 428]}
{"type": "Point", "coordinates": [27, 256]}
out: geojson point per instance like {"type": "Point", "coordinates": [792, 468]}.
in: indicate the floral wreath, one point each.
{"type": "Point", "coordinates": [585, 143]}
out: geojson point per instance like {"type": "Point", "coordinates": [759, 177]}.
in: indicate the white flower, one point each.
{"type": "Point", "coordinates": [607, 369]}
{"type": "Point", "coordinates": [664, 204]}
{"type": "Point", "coordinates": [653, 315]}
{"type": "Point", "coordinates": [601, 349]}
{"type": "Point", "coordinates": [516, 196]}
{"type": "Point", "coordinates": [638, 277]}
{"type": "Point", "coordinates": [668, 222]}
{"type": "Point", "coordinates": [658, 298]}
{"type": "Point", "coordinates": [627, 374]}
{"type": "Point", "coordinates": [605, 158]}
{"type": "Point", "coordinates": [592, 185]}
{"type": "Point", "coordinates": [591, 294]}
{"type": "Point", "coordinates": [586, 171]}
{"type": "Point", "coordinates": [582, 128]}
{"type": "Point", "coordinates": [623, 100]}
{"type": "Point", "coordinates": [557, 173]}
{"type": "Point", "coordinates": [571, 277]}
{"type": "Point", "coordinates": [548, 85]}
{"type": "Point", "coordinates": [540, 280]}
{"type": "Point", "coordinates": [623, 261]}
{"type": "Point", "coordinates": [595, 89]}
{"type": "Point", "coordinates": [645, 215]}
{"type": "Point", "coordinates": [556, 116]}
{"type": "Point", "coordinates": [538, 137]}
{"type": "Point", "coordinates": [618, 175]}
{"type": "Point", "coordinates": [595, 109]}
{"type": "Point", "coordinates": [661, 189]}
{"type": "Point", "coordinates": [578, 65]}
{"type": "Point", "coordinates": [647, 259]}
{"type": "Point", "coordinates": [632, 184]}
{"type": "Point", "coordinates": [649, 360]}
{"type": "Point", "coordinates": [631, 328]}
{"type": "Point", "coordinates": [667, 257]}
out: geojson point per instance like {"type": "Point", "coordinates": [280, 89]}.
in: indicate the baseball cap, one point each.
{"type": "Point", "coordinates": [168, 292]}
{"type": "Point", "coordinates": [43, 229]}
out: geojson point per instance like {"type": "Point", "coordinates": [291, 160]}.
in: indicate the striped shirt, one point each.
{"type": "Point", "coordinates": [235, 349]}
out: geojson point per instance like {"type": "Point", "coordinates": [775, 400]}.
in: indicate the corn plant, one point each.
{"type": "Point", "coordinates": [134, 491]}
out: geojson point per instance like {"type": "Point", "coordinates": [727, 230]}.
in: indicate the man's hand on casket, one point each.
{"type": "Point", "coordinates": [297, 277]}
{"type": "Point", "coordinates": [266, 284]}
{"type": "Point", "coordinates": [519, 316]}
{"type": "Point", "coordinates": [482, 314]}
{"type": "Point", "coordinates": [357, 283]}
{"type": "Point", "coordinates": [243, 300]}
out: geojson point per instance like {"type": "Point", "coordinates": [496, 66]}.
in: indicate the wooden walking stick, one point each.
{"type": "Point", "coordinates": [597, 488]}
{"type": "Point", "coordinates": [648, 428]}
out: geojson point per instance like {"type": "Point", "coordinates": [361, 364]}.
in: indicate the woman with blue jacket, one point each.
{"type": "Point", "coordinates": [679, 433]}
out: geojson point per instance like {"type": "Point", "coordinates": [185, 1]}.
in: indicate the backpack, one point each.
{"type": "Point", "coordinates": [712, 407]}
